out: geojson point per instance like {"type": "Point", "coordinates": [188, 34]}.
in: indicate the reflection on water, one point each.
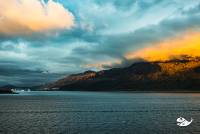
{"type": "Point", "coordinates": [98, 112]}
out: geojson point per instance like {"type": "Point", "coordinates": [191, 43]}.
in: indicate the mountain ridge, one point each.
{"type": "Point", "coordinates": [177, 74]}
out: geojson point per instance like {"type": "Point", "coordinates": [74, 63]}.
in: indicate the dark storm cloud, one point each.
{"type": "Point", "coordinates": [24, 77]}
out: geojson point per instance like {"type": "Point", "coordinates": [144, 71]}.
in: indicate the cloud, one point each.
{"type": "Point", "coordinates": [114, 47]}
{"type": "Point", "coordinates": [27, 16]}
{"type": "Point", "coordinates": [186, 44]}
{"type": "Point", "coordinates": [14, 74]}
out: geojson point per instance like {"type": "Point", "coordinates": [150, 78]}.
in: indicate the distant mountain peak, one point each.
{"type": "Point", "coordinates": [89, 71]}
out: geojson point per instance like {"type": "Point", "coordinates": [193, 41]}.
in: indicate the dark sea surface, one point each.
{"type": "Point", "coordinates": [98, 113]}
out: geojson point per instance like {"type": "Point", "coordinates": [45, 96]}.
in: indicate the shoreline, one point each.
{"type": "Point", "coordinates": [130, 91]}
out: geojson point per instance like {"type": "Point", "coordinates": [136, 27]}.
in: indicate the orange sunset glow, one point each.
{"type": "Point", "coordinates": [187, 44]}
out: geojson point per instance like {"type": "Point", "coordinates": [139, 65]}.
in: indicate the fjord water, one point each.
{"type": "Point", "coordinates": [98, 113]}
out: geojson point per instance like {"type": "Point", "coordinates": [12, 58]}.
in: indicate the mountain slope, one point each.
{"type": "Point", "coordinates": [168, 75]}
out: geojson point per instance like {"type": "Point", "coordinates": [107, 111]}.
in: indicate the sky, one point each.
{"type": "Point", "coordinates": [44, 40]}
